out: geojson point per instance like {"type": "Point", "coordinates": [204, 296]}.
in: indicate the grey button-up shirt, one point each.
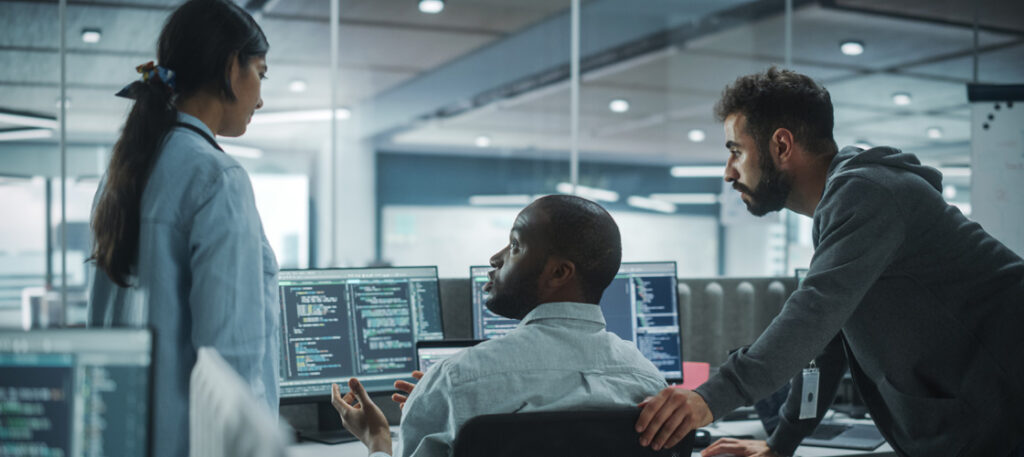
{"type": "Point", "coordinates": [560, 357]}
{"type": "Point", "coordinates": [206, 276]}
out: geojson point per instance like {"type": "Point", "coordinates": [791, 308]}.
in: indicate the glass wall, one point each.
{"type": "Point", "coordinates": [449, 117]}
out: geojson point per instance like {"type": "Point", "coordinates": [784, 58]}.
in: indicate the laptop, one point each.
{"type": "Point", "coordinates": [863, 437]}
{"type": "Point", "coordinates": [429, 353]}
{"type": "Point", "coordinates": [829, 433]}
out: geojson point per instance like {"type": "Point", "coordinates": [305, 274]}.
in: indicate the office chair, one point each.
{"type": "Point", "coordinates": [559, 433]}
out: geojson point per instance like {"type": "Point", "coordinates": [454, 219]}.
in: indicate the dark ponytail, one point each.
{"type": "Point", "coordinates": [196, 43]}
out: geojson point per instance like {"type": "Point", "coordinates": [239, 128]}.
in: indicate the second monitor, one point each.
{"type": "Point", "coordinates": [640, 305]}
{"type": "Point", "coordinates": [363, 322]}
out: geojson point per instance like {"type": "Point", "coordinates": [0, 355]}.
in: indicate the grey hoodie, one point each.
{"type": "Point", "coordinates": [924, 306]}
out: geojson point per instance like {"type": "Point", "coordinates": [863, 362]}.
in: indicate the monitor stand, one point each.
{"type": "Point", "coordinates": [329, 429]}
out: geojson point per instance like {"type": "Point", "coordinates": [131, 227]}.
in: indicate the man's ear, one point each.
{"type": "Point", "coordinates": [560, 272]}
{"type": "Point", "coordinates": [782, 144]}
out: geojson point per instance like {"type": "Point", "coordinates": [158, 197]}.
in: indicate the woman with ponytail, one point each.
{"type": "Point", "coordinates": [177, 238]}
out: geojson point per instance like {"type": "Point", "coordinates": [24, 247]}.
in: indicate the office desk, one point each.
{"type": "Point", "coordinates": [356, 449]}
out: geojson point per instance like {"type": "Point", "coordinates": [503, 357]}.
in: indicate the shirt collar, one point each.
{"type": "Point", "coordinates": [194, 121]}
{"type": "Point", "coordinates": [565, 310]}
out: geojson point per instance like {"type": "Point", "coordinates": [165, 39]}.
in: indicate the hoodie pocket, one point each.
{"type": "Point", "coordinates": [926, 425]}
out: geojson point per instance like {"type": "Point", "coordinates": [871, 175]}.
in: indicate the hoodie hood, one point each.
{"type": "Point", "coordinates": [851, 158]}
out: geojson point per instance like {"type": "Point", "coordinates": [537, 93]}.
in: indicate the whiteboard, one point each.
{"type": "Point", "coordinates": [997, 164]}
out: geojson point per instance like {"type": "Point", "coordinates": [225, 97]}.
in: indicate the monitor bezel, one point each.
{"type": "Point", "coordinates": [342, 384]}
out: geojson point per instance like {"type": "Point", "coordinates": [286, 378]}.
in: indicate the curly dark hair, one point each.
{"type": "Point", "coordinates": [584, 233]}
{"type": "Point", "coordinates": [782, 99]}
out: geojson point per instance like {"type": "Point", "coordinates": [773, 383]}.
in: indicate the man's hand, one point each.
{"type": "Point", "coordinates": [730, 446]}
{"type": "Point", "coordinates": [406, 387]}
{"type": "Point", "coordinates": [362, 417]}
{"type": "Point", "coordinates": [669, 416]}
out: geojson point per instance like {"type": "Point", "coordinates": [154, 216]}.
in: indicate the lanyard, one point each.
{"type": "Point", "coordinates": [202, 134]}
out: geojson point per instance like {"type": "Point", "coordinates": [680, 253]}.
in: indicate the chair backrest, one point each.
{"type": "Point", "coordinates": [559, 433]}
{"type": "Point", "coordinates": [224, 417]}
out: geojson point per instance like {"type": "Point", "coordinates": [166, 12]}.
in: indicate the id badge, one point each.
{"type": "Point", "coordinates": [809, 395]}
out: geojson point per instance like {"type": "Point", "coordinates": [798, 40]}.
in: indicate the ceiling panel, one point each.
{"type": "Point", "coordinates": [818, 31]}
{"type": "Point", "coordinates": [1002, 66]}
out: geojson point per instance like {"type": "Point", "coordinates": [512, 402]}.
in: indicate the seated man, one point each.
{"type": "Point", "coordinates": [563, 252]}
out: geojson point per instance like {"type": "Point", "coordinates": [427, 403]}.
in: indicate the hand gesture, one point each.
{"type": "Point", "coordinates": [406, 387]}
{"type": "Point", "coordinates": [362, 417]}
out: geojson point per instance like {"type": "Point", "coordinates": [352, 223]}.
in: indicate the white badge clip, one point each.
{"type": "Point", "coordinates": [809, 394]}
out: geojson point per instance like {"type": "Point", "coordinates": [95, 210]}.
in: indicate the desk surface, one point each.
{"type": "Point", "coordinates": [356, 449]}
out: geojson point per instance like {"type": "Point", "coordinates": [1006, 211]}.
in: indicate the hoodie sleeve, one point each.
{"type": "Point", "coordinates": [860, 227]}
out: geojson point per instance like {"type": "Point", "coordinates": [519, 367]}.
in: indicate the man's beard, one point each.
{"type": "Point", "coordinates": [771, 191]}
{"type": "Point", "coordinates": [517, 298]}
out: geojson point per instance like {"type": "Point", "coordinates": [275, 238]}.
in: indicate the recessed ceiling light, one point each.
{"type": "Point", "coordinates": [949, 191]}
{"type": "Point", "coordinates": [482, 141]}
{"type": "Point", "coordinates": [618, 105]}
{"type": "Point", "coordinates": [297, 86]}
{"type": "Point", "coordinates": [852, 47]}
{"type": "Point", "coordinates": [863, 144]}
{"type": "Point", "coordinates": [934, 132]}
{"type": "Point", "coordinates": [431, 6]}
{"type": "Point", "coordinates": [91, 36]}
{"type": "Point", "coordinates": [901, 98]}
{"type": "Point", "coordinates": [696, 135]}
{"type": "Point", "coordinates": [67, 103]}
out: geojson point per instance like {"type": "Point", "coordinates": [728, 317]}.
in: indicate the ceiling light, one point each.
{"type": "Point", "coordinates": [25, 134]}
{"type": "Point", "coordinates": [949, 192]}
{"type": "Point", "coordinates": [495, 200]}
{"type": "Point", "coordinates": [91, 36]}
{"type": "Point", "coordinates": [702, 171]}
{"type": "Point", "coordinates": [863, 144]}
{"type": "Point", "coordinates": [687, 199]}
{"type": "Point", "coordinates": [592, 193]}
{"type": "Point", "coordinates": [28, 120]}
{"type": "Point", "coordinates": [696, 135]}
{"type": "Point", "coordinates": [431, 6]}
{"type": "Point", "coordinates": [901, 98]}
{"type": "Point", "coordinates": [67, 103]}
{"type": "Point", "coordinates": [852, 48]}
{"type": "Point", "coordinates": [242, 151]}
{"type": "Point", "coordinates": [651, 204]}
{"type": "Point", "coordinates": [934, 132]}
{"type": "Point", "coordinates": [297, 86]}
{"type": "Point", "coordinates": [618, 105]}
{"type": "Point", "coordinates": [287, 117]}
{"type": "Point", "coordinates": [482, 141]}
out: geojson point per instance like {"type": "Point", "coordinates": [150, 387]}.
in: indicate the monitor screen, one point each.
{"type": "Point", "coordinates": [486, 325]}
{"type": "Point", "coordinates": [75, 392]}
{"type": "Point", "coordinates": [361, 322]}
{"type": "Point", "coordinates": [640, 305]}
{"type": "Point", "coordinates": [430, 353]}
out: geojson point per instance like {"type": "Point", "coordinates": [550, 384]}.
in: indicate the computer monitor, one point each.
{"type": "Point", "coordinates": [640, 305]}
{"type": "Point", "coordinates": [801, 274]}
{"type": "Point", "coordinates": [354, 322]}
{"type": "Point", "coordinates": [75, 392]}
{"type": "Point", "coordinates": [430, 353]}
{"type": "Point", "coordinates": [486, 325]}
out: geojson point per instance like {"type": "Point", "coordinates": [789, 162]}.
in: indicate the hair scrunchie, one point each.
{"type": "Point", "coordinates": [152, 74]}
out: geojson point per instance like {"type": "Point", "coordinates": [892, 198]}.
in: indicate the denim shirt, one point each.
{"type": "Point", "coordinates": [205, 276]}
{"type": "Point", "coordinates": [560, 357]}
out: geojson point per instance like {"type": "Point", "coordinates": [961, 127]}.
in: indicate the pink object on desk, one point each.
{"type": "Point", "coordinates": [694, 374]}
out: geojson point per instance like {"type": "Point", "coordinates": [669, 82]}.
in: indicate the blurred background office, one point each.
{"type": "Point", "coordinates": [411, 132]}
